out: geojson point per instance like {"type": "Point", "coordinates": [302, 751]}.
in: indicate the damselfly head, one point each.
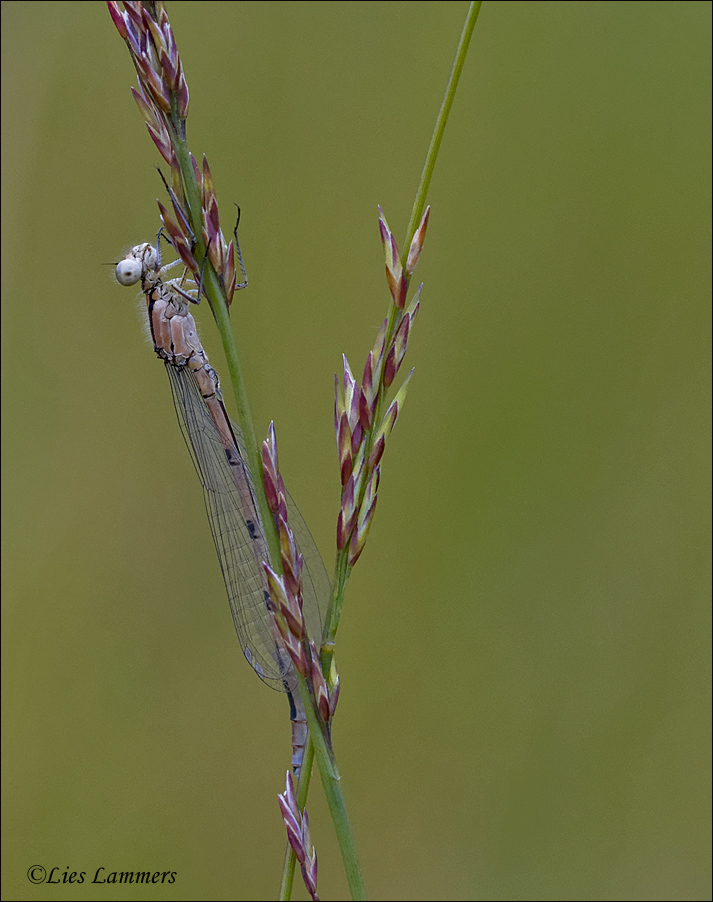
{"type": "Point", "coordinates": [128, 271]}
{"type": "Point", "coordinates": [135, 264]}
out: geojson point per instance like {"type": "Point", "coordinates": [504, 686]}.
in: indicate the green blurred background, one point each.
{"type": "Point", "coordinates": [525, 644]}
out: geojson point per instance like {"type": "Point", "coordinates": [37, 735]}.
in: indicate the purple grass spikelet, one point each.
{"type": "Point", "coordinates": [344, 448]}
{"type": "Point", "coordinates": [178, 240]}
{"type": "Point", "coordinates": [414, 251]}
{"type": "Point", "coordinates": [360, 443]}
{"type": "Point", "coordinates": [333, 697]}
{"type": "Point", "coordinates": [377, 452]}
{"type": "Point", "coordinates": [347, 514]}
{"type": "Point", "coordinates": [297, 827]}
{"type": "Point", "coordinates": [319, 685]}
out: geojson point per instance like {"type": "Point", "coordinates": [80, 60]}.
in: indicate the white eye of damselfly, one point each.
{"type": "Point", "coordinates": [128, 271]}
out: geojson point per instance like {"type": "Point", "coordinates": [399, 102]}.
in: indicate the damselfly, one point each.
{"type": "Point", "coordinates": [216, 447]}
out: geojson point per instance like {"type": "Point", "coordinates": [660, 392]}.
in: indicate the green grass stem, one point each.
{"type": "Point", "coordinates": [342, 570]}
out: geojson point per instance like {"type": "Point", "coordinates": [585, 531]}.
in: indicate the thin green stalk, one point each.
{"type": "Point", "coordinates": [419, 204]}
{"type": "Point", "coordinates": [318, 746]}
{"type": "Point", "coordinates": [342, 570]}
{"type": "Point", "coordinates": [331, 782]}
